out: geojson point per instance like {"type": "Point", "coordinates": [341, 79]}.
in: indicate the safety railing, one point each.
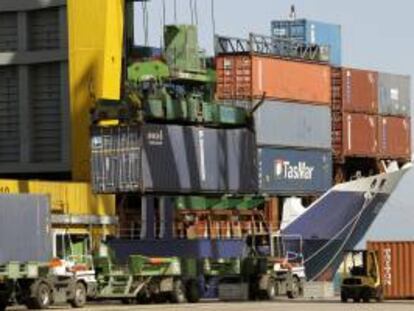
{"type": "Point", "coordinates": [267, 45]}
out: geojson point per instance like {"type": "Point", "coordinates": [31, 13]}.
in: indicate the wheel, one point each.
{"type": "Point", "coordinates": [127, 301]}
{"type": "Point", "coordinates": [272, 290]}
{"type": "Point", "coordinates": [295, 292]}
{"type": "Point", "coordinates": [192, 291]}
{"type": "Point", "coordinates": [380, 295]}
{"type": "Point", "coordinates": [3, 305]}
{"type": "Point", "coordinates": [144, 297]}
{"type": "Point", "coordinates": [80, 296]}
{"type": "Point", "coordinates": [366, 295]}
{"type": "Point", "coordinates": [160, 298]}
{"type": "Point", "coordinates": [344, 297]}
{"type": "Point", "coordinates": [42, 297]}
{"type": "Point", "coordinates": [356, 300]}
{"type": "Point", "coordinates": [178, 292]}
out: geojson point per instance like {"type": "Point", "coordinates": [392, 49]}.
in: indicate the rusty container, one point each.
{"type": "Point", "coordinates": [355, 135]}
{"type": "Point", "coordinates": [396, 260]}
{"type": "Point", "coordinates": [359, 91]}
{"type": "Point", "coordinates": [247, 77]}
{"type": "Point", "coordinates": [394, 136]}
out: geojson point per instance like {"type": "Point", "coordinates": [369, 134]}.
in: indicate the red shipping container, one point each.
{"type": "Point", "coordinates": [359, 91]}
{"type": "Point", "coordinates": [247, 77]}
{"type": "Point", "coordinates": [394, 136]}
{"type": "Point", "coordinates": [396, 260]}
{"type": "Point", "coordinates": [358, 134]}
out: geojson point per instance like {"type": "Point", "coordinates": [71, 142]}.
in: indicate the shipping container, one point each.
{"type": "Point", "coordinates": [25, 228]}
{"type": "Point", "coordinates": [396, 260]}
{"type": "Point", "coordinates": [292, 171]}
{"type": "Point", "coordinates": [359, 91]}
{"type": "Point", "coordinates": [172, 158]}
{"type": "Point", "coordinates": [394, 136]}
{"type": "Point", "coordinates": [293, 125]}
{"type": "Point", "coordinates": [246, 77]}
{"type": "Point", "coordinates": [355, 135]}
{"type": "Point", "coordinates": [394, 94]}
{"type": "Point", "coordinates": [311, 32]}
{"type": "Point", "coordinates": [34, 95]}
{"type": "Point", "coordinates": [66, 198]}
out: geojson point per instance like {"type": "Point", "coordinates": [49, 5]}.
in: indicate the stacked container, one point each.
{"type": "Point", "coordinates": [292, 123]}
{"type": "Point", "coordinates": [394, 130]}
{"type": "Point", "coordinates": [370, 115]}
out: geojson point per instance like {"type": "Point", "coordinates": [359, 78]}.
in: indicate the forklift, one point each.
{"type": "Point", "coordinates": [361, 277]}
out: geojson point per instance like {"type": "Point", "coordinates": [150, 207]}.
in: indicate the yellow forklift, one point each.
{"type": "Point", "coordinates": [361, 278]}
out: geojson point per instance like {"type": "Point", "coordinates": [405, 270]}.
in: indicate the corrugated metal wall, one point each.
{"type": "Point", "coordinates": [293, 125]}
{"type": "Point", "coordinates": [34, 97]}
{"type": "Point", "coordinates": [172, 158]}
{"type": "Point", "coordinates": [25, 221]}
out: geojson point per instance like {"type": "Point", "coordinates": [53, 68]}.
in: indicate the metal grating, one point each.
{"type": "Point", "coordinates": [46, 116]}
{"type": "Point", "coordinates": [43, 29]}
{"type": "Point", "coordinates": [9, 115]}
{"type": "Point", "coordinates": [8, 31]}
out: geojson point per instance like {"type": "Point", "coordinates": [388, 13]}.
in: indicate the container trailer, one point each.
{"type": "Point", "coordinates": [272, 268]}
{"type": "Point", "coordinates": [28, 275]}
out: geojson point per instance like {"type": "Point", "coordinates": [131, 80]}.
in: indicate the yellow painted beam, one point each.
{"type": "Point", "coordinates": [96, 33]}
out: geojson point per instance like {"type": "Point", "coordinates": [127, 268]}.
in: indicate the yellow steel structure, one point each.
{"type": "Point", "coordinates": [96, 33]}
{"type": "Point", "coordinates": [66, 198]}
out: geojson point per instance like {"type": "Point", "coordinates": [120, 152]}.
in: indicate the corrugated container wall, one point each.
{"type": "Point", "coordinates": [171, 158]}
{"type": "Point", "coordinates": [396, 259]}
{"type": "Point", "coordinates": [394, 95]}
{"type": "Point", "coordinates": [246, 77]}
{"type": "Point", "coordinates": [394, 137]}
{"type": "Point", "coordinates": [292, 171]}
{"type": "Point", "coordinates": [311, 32]}
{"type": "Point", "coordinates": [359, 136]}
{"type": "Point", "coordinates": [293, 125]}
{"type": "Point", "coordinates": [69, 198]}
{"type": "Point", "coordinates": [34, 97]}
{"type": "Point", "coordinates": [359, 91]}
{"type": "Point", "coordinates": [25, 221]}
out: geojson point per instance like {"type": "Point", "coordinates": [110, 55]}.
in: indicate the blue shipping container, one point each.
{"type": "Point", "coordinates": [311, 32]}
{"type": "Point", "coordinates": [293, 171]}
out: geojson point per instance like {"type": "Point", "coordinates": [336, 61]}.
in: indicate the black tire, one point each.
{"type": "Point", "coordinates": [178, 293]}
{"type": "Point", "coordinates": [160, 298]}
{"type": "Point", "coordinates": [272, 290]}
{"type": "Point", "coordinates": [127, 301]}
{"type": "Point", "coordinates": [3, 305]}
{"type": "Point", "coordinates": [143, 297]}
{"type": "Point", "coordinates": [380, 295]}
{"type": "Point", "coordinates": [295, 292]}
{"type": "Point", "coordinates": [344, 297]}
{"type": "Point", "coordinates": [366, 296]}
{"type": "Point", "coordinates": [80, 296]}
{"type": "Point", "coordinates": [42, 297]}
{"type": "Point", "coordinates": [192, 291]}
